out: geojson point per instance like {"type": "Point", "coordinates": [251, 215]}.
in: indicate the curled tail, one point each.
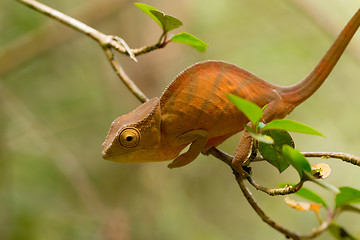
{"type": "Point", "coordinates": [299, 92]}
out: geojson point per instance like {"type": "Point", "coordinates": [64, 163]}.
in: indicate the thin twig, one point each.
{"type": "Point", "coordinates": [98, 36]}
{"type": "Point", "coordinates": [73, 23]}
{"type": "Point", "coordinates": [106, 41]}
{"type": "Point", "coordinates": [146, 49]}
{"type": "Point", "coordinates": [123, 76]}
{"type": "Point", "coordinates": [336, 155]}
{"type": "Point", "coordinates": [343, 156]}
{"type": "Point", "coordinates": [249, 197]}
{"type": "Point", "coordinates": [27, 46]}
{"type": "Point", "coordinates": [290, 234]}
{"type": "Point", "coordinates": [227, 158]}
{"type": "Point", "coordinates": [275, 191]}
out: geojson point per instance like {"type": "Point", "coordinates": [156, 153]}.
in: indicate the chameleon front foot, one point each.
{"type": "Point", "coordinates": [198, 139]}
{"type": "Point", "coordinates": [180, 161]}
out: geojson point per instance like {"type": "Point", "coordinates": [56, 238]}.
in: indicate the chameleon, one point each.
{"type": "Point", "coordinates": [194, 110]}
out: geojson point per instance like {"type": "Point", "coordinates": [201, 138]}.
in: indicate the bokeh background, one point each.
{"type": "Point", "coordinates": [59, 94]}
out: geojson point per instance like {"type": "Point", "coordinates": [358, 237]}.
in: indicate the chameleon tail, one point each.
{"type": "Point", "coordinates": [299, 92]}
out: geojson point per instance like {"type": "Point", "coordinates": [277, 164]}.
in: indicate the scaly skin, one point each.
{"type": "Point", "coordinates": [194, 110]}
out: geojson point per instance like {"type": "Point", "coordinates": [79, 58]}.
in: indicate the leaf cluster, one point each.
{"type": "Point", "coordinates": [277, 147]}
{"type": "Point", "coordinates": [169, 23]}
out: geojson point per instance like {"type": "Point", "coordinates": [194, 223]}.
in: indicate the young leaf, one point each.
{"type": "Point", "coordinates": [320, 170]}
{"type": "Point", "coordinates": [252, 111]}
{"type": "Point", "coordinates": [260, 137]}
{"type": "Point", "coordinates": [147, 9]}
{"type": "Point", "coordinates": [303, 206]}
{"type": "Point", "coordinates": [347, 196]}
{"type": "Point", "coordinates": [339, 232]}
{"type": "Point", "coordinates": [293, 126]}
{"type": "Point", "coordinates": [187, 38]}
{"type": "Point", "coordinates": [297, 160]}
{"type": "Point", "coordinates": [273, 153]}
{"type": "Point", "coordinates": [308, 176]}
{"type": "Point", "coordinates": [168, 22]}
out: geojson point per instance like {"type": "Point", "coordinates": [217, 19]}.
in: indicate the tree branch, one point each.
{"type": "Point", "coordinates": [336, 155]}
{"type": "Point", "coordinates": [106, 41]}
{"type": "Point", "coordinates": [276, 191]}
{"type": "Point", "coordinates": [223, 156]}
{"type": "Point", "coordinates": [73, 23]}
{"type": "Point", "coordinates": [343, 156]}
{"type": "Point", "coordinates": [227, 159]}
{"type": "Point", "coordinates": [289, 234]}
{"type": "Point", "coordinates": [98, 36]}
{"type": "Point", "coordinates": [249, 197]}
{"type": "Point", "coordinates": [123, 76]}
{"type": "Point", "coordinates": [49, 35]}
{"type": "Point", "coordinates": [109, 42]}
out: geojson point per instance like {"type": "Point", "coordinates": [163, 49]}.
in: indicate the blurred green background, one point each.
{"type": "Point", "coordinates": [59, 94]}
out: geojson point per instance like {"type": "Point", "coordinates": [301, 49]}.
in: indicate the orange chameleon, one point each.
{"type": "Point", "coordinates": [194, 110]}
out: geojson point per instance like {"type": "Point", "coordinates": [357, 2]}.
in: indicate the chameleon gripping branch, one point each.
{"type": "Point", "coordinates": [160, 128]}
{"type": "Point", "coordinates": [194, 110]}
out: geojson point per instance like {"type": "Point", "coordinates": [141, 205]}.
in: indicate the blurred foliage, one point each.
{"type": "Point", "coordinates": [56, 109]}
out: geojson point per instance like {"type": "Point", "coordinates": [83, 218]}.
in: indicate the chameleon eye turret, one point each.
{"type": "Point", "coordinates": [129, 137]}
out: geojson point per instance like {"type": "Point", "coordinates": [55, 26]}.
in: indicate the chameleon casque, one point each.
{"type": "Point", "coordinates": [194, 110]}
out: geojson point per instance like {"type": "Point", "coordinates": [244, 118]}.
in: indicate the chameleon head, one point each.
{"type": "Point", "coordinates": [135, 137]}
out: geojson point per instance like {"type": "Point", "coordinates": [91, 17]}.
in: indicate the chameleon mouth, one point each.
{"type": "Point", "coordinates": [105, 154]}
{"type": "Point", "coordinates": [127, 157]}
{"type": "Point", "coordinates": [109, 154]}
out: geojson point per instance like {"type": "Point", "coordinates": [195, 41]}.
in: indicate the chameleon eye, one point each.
{"type": "Point", "coordinates": [129, 137]}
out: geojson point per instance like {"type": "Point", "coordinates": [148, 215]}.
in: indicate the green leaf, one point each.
{"type": "Point", "coordinates": [293, 126]}
{"type": "Point", "coordinates": [310, 195]}
{"type": "Point", "coordinates": [252, 111]}
{"type": "Point", "coordinates": [187, 38]}
{"type": "Point", "coordinates": [297, 160]}
{"type": "Point", "coordinates": [147, 9]}
{"type": "Point", "coordinates": [258, 136]}
{"type": "Point", "coordinates": [308, 176]}
{"type": "Point", "coordinates": [339, 232]}
{"type": "Point", "coordinates": [273, 153]}
{"type": "Point", "coordinates": [353, 209]}
{"type": "Point", "coordinates": [168, 22]}
{"type": "Point", "coordinates": [347, 196]}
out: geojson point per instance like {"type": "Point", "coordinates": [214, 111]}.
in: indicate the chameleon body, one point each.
{"type": "Point", "coordinates": [194, 110]}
